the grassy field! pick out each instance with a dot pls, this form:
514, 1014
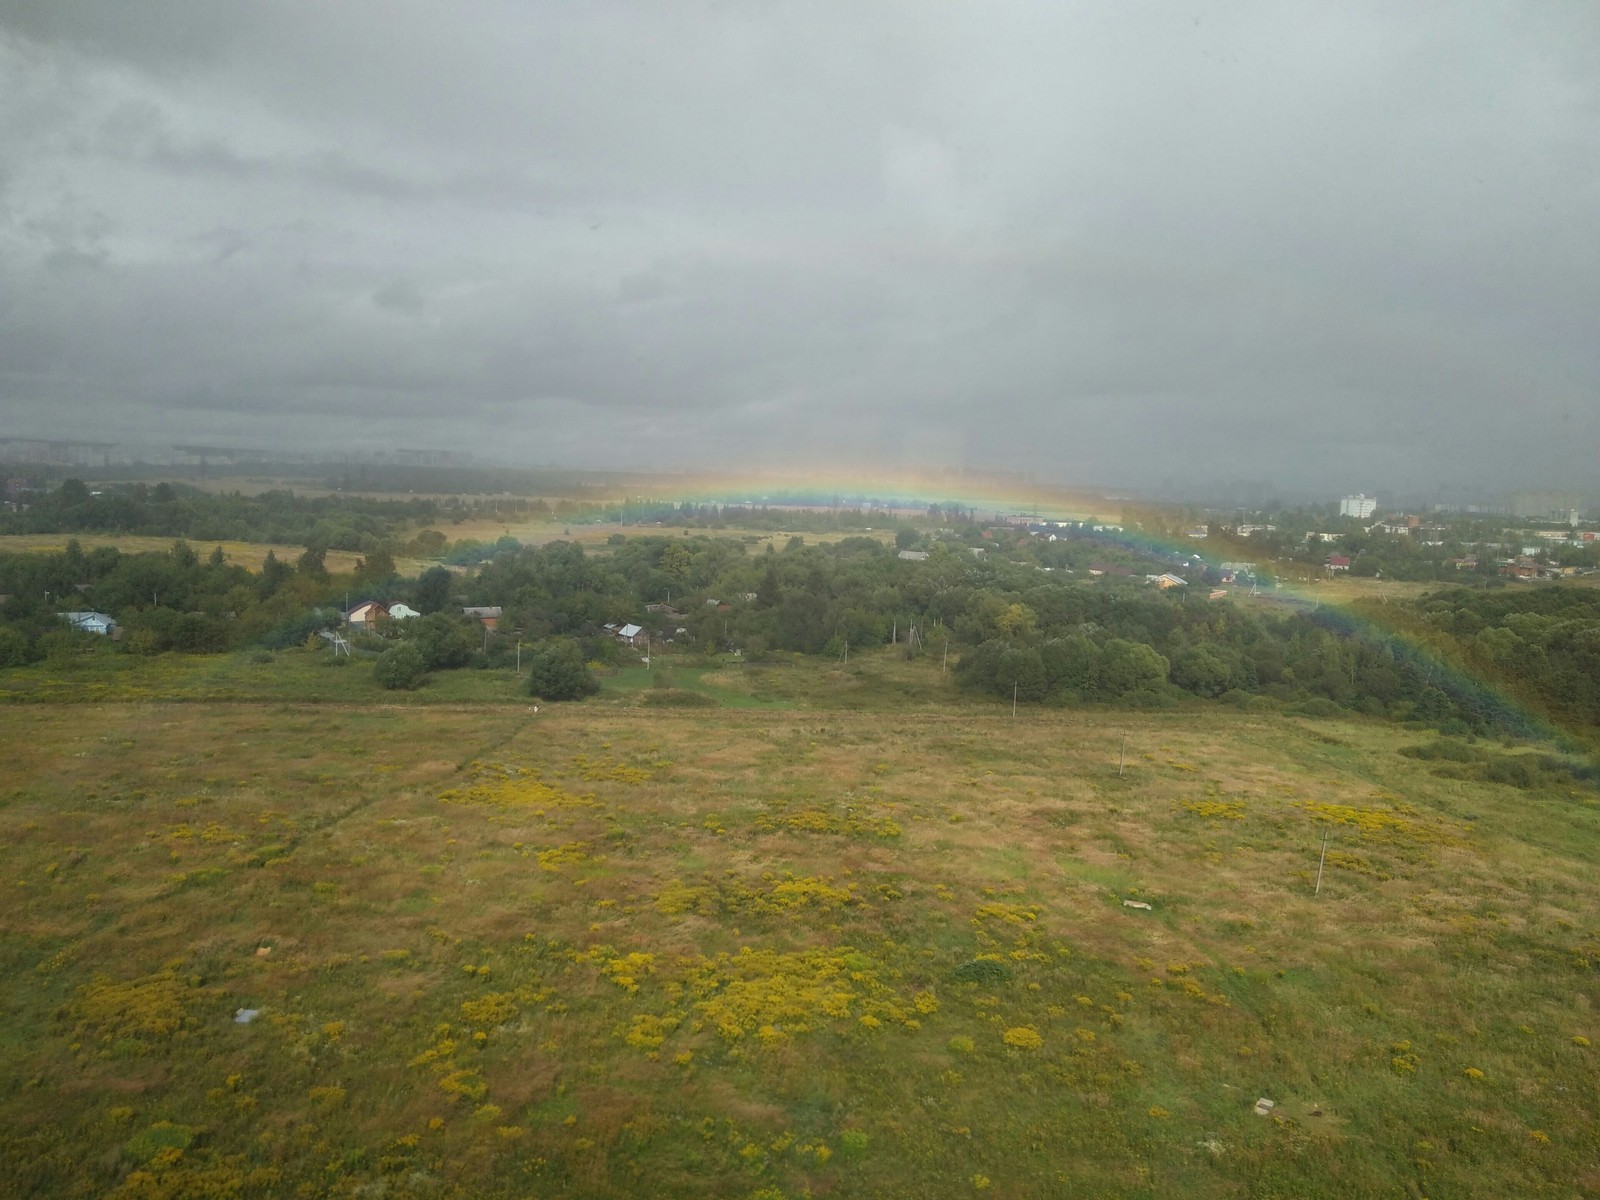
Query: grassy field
541, 531
242, 554
865, 940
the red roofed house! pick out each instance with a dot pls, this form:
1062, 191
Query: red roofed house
366, 614
1338, 562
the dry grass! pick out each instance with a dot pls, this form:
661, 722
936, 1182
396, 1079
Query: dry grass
538, 532
239, 554
619, 951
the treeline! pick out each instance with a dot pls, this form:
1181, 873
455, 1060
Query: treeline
775, 518
1537, 645
168, 600
1476, 660
1462, 660
354, 523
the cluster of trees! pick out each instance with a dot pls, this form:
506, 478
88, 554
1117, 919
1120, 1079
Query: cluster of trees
172, 600
1538, 645
1013, 627
1014, 622
355, 523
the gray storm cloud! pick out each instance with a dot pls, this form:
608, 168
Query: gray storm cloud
1332, 245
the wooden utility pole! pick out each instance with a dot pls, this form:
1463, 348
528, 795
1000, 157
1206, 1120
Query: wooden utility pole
1122, 758
1013, 699
1320, 861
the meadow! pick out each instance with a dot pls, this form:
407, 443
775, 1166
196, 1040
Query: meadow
839, 932
242, 554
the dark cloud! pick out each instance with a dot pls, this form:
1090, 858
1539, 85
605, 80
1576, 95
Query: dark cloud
1336, 246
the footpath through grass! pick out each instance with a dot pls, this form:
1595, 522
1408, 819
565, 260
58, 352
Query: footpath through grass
611, 950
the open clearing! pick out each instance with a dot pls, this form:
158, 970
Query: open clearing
541, 531
241, 554
759, 951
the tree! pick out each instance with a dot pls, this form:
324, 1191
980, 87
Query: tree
675, 561
377, 566
442, 642
1016, 619
273, 574
905, 537
769, 591
1070, 664
557, 671
14, 651
433, 590
1020, 668
1126, 667
314, 562
1201, 670
399, 668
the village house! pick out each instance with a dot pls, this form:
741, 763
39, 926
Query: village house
90, 622
486, 615
366, 615
1338, 562
402, 612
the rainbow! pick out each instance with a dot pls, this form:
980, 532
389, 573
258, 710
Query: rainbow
987, 493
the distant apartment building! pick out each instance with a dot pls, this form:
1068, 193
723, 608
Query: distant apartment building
1359, 507
1566, 507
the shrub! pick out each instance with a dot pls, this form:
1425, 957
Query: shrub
1443, 748
14, 648
443, 642
678, 698
557, 671
400, 667
1317, 706
982, 970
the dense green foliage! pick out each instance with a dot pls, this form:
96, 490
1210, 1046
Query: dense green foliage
557, 671
1015, 622
166, 510
399, 668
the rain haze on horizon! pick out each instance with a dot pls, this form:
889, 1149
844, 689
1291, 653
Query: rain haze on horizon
1333, 246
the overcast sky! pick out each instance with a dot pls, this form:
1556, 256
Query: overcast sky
1342, 245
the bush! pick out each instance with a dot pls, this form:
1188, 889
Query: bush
443, 642
1443, 748
14, 648
677, 698
982, 970
399, 668
557, 671
1515, 772
1317, 706
1126, 667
